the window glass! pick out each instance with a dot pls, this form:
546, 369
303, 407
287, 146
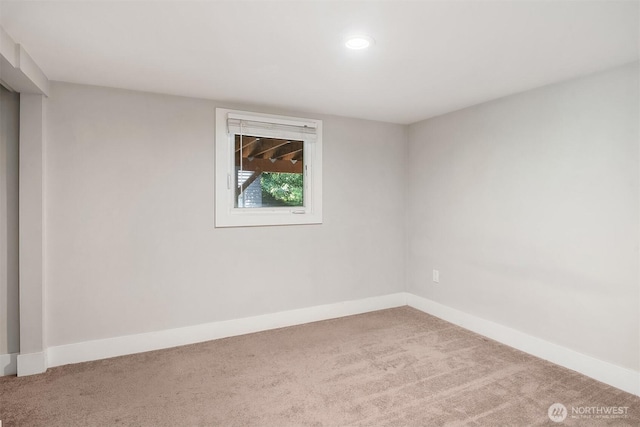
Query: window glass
269, 172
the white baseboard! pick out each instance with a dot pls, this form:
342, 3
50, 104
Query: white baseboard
32, 363
8, 364
130, 344
608, 373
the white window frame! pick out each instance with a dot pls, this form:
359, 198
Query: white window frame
226, 214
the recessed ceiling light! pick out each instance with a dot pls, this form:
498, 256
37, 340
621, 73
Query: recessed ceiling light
359, 42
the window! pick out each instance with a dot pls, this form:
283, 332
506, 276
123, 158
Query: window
268, 169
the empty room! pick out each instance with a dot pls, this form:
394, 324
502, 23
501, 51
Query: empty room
327, 213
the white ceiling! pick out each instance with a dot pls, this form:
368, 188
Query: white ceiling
430, 57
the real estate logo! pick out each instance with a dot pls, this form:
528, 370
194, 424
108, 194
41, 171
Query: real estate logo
557, 412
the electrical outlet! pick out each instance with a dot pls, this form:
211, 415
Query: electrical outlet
436, 276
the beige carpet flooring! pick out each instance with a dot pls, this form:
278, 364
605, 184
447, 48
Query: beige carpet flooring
392, 367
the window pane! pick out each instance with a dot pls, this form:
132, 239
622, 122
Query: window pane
268, 172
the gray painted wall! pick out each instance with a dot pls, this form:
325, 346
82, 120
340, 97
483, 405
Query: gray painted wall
9, 273
528, 207
131, 246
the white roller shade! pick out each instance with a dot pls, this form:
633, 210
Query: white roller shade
302, 131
